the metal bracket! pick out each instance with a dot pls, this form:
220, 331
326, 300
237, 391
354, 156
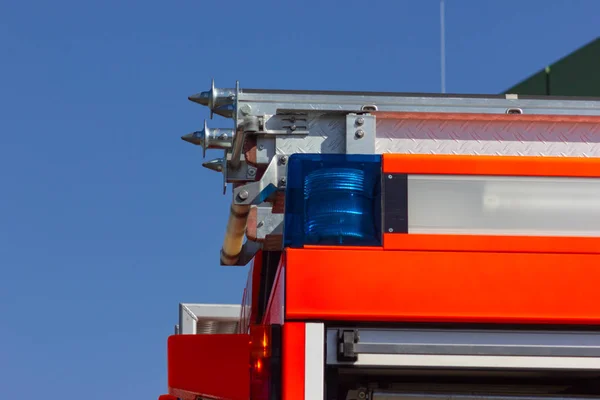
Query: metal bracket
347, 340
244, 173
360, 133
268, 223
265, 149
257, 192
249, 124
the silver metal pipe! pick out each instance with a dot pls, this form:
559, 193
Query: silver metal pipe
234, 234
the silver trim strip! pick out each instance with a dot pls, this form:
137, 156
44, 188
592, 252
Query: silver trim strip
314, 362
541, 363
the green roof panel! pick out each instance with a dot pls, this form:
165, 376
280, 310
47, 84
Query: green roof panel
577, 74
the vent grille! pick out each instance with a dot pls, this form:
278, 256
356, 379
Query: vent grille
215, 327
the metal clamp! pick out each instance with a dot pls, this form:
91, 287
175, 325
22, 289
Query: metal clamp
247, 253
257, 192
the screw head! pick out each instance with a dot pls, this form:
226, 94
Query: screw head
293, 128
390, 176
283, 160
360, 121
282, 181
360, 134
243, 195
251, 172
391, 230
261, 147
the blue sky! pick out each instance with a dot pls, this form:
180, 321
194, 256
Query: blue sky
107, 218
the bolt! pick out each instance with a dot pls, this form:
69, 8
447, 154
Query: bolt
360, 121
245, 109
361, 395
360, 134
282, 181
390, 177
251, 172
391, 230
243, 195
293, 128
261, 147
283, 160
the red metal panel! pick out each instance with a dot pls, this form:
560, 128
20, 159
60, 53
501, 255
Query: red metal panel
513, 244
249, 307
274, 312
438, 286
206, 365
292, 383
256, 271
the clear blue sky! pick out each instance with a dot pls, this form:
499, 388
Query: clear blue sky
108, 220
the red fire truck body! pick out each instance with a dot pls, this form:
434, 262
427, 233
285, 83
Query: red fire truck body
401, 246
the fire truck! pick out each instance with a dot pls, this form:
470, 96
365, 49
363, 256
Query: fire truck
403, 246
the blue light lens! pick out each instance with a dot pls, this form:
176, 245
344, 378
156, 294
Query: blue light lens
333, 199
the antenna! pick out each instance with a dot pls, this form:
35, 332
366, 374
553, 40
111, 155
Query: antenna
443, 46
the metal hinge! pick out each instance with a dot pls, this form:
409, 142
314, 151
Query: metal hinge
347, 340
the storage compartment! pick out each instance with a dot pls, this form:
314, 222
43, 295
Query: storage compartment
513, 363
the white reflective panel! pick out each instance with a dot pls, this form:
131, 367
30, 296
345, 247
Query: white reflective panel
506, 205
314, 361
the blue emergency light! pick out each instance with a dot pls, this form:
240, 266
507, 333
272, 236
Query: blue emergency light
333, 199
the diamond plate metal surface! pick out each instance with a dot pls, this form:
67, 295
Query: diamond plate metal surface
489, 135
476, 134
327, 134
